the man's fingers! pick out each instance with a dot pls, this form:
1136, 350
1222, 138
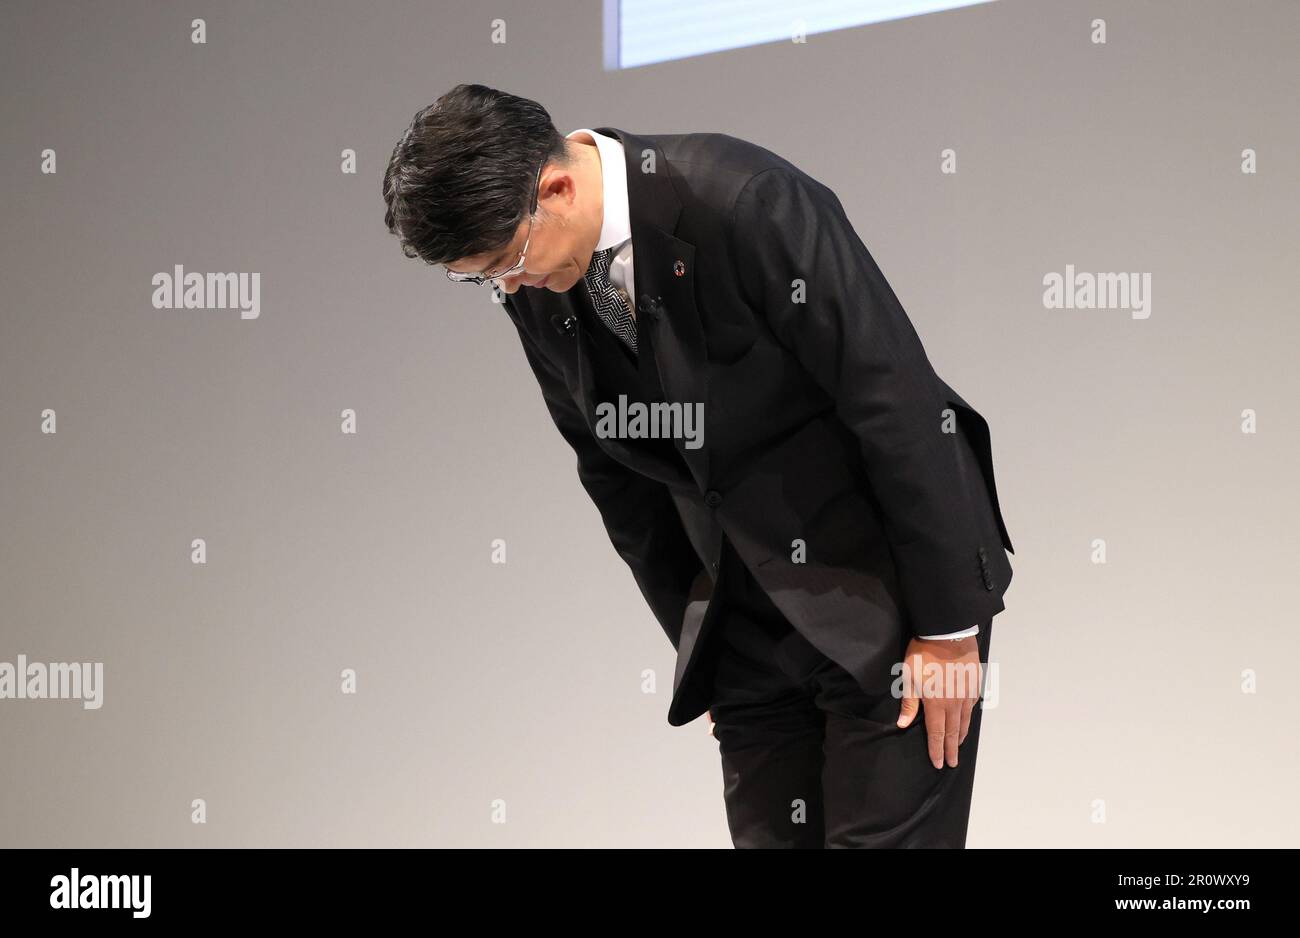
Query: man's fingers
952, 729
967, 708
935, 721
911, 695
949, 705
907, 712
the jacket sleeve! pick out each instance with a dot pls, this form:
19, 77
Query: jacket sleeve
638, 512
848, 330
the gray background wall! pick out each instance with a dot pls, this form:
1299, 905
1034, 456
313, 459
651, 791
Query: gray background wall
522, 681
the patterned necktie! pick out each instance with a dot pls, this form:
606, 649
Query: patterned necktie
610, 304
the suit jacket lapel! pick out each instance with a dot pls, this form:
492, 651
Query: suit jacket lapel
664, 276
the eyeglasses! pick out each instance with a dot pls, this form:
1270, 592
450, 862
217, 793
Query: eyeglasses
517, 265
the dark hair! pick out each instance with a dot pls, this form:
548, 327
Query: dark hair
462, 177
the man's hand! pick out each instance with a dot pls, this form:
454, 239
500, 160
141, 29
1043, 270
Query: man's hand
948, 675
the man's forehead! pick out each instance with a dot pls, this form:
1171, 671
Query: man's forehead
477, 263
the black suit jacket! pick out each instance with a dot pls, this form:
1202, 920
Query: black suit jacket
824, 421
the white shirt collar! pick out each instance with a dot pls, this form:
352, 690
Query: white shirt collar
616, 226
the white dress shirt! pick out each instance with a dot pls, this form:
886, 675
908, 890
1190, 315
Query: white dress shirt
616, 232
616, 227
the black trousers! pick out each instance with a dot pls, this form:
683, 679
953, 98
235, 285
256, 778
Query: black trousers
809, 759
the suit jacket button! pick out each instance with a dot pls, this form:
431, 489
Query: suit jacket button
713, 498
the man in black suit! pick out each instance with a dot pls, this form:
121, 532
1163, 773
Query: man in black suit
832, 511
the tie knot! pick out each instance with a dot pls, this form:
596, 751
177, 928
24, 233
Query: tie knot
600, 262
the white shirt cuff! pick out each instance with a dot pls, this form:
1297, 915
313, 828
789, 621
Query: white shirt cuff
973, 630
